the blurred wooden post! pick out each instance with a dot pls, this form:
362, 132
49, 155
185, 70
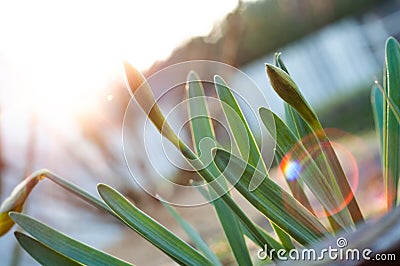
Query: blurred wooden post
232, 29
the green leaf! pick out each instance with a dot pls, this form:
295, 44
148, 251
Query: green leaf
79, 192
377, 102
303, 131
279, 62
269, 240
308, 171
41, 253
63, 244
271, 200
202, 132
245, 142
310, 142
240, 129
252, 228
287, 89
391, 149
296, 124
193, 234
150, 229
272, 243
216, 186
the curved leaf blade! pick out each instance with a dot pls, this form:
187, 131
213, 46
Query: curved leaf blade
150, 229
287, 89
269, 240
328, 196
64, 244
245, 142
193, 234
41, 253
303, 131
391, 148
202, 130
240, 129
271, 200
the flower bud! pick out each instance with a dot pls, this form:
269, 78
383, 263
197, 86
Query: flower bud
140, 89
287, 89
15, 202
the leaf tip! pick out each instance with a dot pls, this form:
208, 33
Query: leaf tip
134, 78
101, 187
192, 76
218, 80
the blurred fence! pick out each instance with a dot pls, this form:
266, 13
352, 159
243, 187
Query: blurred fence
335, 61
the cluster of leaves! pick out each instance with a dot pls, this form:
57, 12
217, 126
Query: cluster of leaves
291, 214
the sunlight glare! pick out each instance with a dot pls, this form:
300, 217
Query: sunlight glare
64, 53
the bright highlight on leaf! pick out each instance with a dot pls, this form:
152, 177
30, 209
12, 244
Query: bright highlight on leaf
391, 129
140, 89
202, 129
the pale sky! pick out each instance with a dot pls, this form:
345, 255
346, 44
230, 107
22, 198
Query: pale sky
59, 53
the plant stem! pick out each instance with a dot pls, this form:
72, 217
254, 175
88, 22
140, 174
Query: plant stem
258, 236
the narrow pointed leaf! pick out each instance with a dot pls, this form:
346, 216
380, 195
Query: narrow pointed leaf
202, 131
245, 142
244, 219
296, 124
303, 131
197, 240
150, 229
270, 241
308, 170
63, 244
271, 200
300, 127
210, 179
240, 129
392, 151
43, 254
290, 93
305, 134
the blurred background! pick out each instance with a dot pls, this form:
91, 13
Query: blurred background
63, 96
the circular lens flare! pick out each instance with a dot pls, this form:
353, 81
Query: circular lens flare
291, 169
294, 165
